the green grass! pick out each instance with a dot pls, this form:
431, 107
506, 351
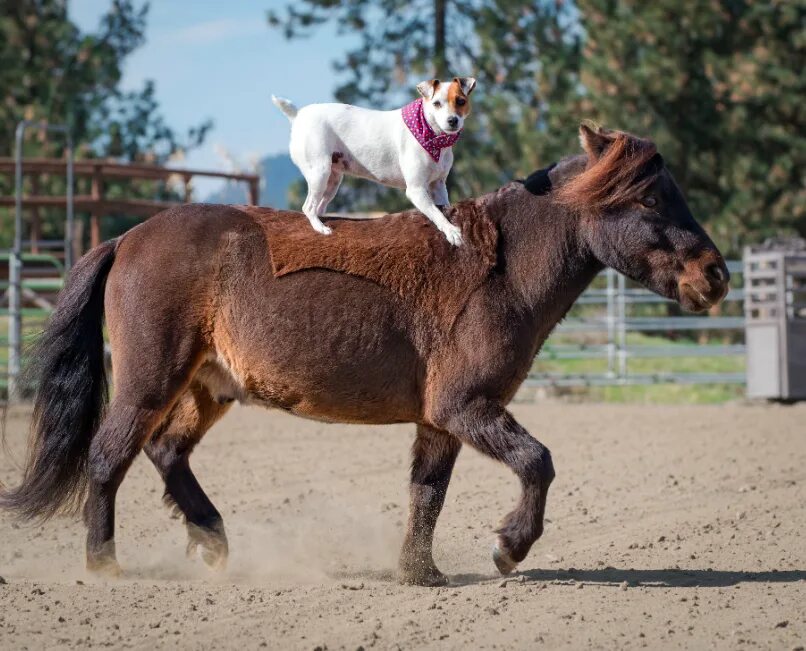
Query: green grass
657, 393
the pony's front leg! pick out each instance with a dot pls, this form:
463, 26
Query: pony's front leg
433, 455
492, 430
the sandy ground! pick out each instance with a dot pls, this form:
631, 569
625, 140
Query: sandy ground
670, 527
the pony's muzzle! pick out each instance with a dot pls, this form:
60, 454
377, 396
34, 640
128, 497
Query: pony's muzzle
705, 281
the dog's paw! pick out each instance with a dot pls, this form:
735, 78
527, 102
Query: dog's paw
319, 227
453, 234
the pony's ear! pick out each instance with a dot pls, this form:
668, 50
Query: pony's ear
428, 88
467, 84
594, 139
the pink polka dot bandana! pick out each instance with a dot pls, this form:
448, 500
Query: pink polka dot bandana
414, 117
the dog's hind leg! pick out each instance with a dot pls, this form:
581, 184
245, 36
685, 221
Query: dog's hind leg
333, 184
433, 456
318, 178
169, 450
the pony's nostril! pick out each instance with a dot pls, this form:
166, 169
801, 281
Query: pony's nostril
715, 272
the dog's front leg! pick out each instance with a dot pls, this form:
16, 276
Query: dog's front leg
422, 200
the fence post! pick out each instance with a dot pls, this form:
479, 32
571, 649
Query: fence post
610, 274
15, 278
622, 327
97, 193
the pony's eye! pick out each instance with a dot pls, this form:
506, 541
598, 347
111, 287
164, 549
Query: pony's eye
649, 201
437, 104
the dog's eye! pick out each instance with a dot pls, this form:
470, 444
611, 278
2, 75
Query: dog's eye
437, 104
460, 102
650, 201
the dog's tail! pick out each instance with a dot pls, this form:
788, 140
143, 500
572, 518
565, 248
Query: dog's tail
286, 106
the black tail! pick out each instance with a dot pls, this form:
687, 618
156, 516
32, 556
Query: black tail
67, 364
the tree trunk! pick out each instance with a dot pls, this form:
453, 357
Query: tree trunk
440, 58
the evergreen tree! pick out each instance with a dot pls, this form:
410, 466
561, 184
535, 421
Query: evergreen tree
51, 71
719, 85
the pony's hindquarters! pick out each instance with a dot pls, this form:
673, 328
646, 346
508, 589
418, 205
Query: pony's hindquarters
71, 393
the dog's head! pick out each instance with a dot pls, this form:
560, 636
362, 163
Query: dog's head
447, 103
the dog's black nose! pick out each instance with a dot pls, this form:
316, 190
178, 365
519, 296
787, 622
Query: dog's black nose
453, 121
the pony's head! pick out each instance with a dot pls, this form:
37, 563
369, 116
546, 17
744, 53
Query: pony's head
635, 219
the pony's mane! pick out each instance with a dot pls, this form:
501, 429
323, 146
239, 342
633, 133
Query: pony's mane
626, 167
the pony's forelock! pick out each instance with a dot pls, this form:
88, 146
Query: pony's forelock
622, 172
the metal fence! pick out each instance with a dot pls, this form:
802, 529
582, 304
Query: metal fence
603, 318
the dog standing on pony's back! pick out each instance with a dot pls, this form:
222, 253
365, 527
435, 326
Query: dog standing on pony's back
408, 148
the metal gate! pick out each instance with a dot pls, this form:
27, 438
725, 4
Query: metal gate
17, 287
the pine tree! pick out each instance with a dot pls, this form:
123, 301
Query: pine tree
51, 71
719, 85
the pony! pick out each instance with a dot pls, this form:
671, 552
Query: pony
205, 305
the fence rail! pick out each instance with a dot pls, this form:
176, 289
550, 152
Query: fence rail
606, 314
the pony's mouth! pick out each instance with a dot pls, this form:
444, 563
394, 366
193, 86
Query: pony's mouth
693, 300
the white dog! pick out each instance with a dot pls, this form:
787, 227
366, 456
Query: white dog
408, 148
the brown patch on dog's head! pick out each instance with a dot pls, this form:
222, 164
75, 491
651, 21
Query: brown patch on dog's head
458, 94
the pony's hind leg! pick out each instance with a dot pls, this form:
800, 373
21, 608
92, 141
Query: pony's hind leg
112, 450
169, 449
433, 456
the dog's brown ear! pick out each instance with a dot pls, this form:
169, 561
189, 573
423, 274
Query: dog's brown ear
467, 84
428, 88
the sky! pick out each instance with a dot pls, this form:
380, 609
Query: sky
220, 60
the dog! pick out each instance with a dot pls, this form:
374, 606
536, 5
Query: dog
408, 148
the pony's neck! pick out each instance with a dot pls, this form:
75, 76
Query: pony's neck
546, 260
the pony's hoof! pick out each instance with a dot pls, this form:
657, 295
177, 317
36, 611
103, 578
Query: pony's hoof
503, 561
210, 545
104, 567
433, 578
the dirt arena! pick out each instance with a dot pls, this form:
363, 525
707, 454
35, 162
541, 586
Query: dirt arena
669, 527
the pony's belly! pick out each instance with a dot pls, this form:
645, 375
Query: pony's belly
323, 345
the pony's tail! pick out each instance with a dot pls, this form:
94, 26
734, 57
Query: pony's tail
286, 106
67, 365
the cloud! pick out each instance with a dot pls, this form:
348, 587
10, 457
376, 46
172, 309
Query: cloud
214, 31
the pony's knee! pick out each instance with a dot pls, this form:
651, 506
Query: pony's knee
538, 466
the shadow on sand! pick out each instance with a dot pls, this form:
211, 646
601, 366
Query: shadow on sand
670, 578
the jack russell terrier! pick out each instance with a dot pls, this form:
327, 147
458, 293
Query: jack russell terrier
408, 148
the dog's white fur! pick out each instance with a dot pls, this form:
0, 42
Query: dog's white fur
330, 140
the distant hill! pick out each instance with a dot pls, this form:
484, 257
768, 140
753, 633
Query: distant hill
277, 173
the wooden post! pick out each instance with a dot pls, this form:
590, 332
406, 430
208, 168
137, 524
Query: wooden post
36, 222
78, 239
188, 198
253, 192
97, 193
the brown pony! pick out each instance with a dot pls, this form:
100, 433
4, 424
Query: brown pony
209, 304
